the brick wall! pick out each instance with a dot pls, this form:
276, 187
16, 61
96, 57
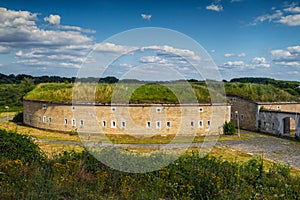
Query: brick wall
284, 106
247, 113
133, 119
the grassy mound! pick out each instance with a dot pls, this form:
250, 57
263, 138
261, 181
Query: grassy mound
154, 93
258, 92
120, 93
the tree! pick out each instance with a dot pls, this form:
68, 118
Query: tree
229, 128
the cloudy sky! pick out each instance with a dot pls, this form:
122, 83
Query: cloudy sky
244, 38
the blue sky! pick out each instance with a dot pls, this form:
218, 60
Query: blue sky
244, 38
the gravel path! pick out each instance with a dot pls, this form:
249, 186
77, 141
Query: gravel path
278, 149
5, 118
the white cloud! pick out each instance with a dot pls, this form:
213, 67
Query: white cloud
287, 57
146, 17
269, 17
280, 53
293, 73
293, 9
4, 50
153, 59
126, 65
242, 55
185, 53
241, 65
228, 55
53, 19
10, 18
33, 62
294, 49
235, 63
19, 53
290, 20
215, 7
260, 62
18, 29
35, 46
76, 28
289, 64
113, 48
289, 16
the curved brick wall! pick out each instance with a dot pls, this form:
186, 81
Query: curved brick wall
136, 119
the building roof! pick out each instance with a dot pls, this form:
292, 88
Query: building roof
166, 93
127, 93
259, 93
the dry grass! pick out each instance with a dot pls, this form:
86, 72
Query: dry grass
164, 139
4, 114
53, 149
38, 133
234, 155
224, 153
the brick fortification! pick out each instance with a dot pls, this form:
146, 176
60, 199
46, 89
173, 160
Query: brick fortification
139, 119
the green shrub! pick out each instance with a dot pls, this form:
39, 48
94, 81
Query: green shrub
73, 132
229, 128
18, 118
15, 146
73, 175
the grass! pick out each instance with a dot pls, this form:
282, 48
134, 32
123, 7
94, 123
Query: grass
52, 150
258, 92
120, 93
161, 139
234, 155
114, 138
177, 92
224, 153
10, 114
39, 133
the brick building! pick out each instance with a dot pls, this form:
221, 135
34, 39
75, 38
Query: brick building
138, 119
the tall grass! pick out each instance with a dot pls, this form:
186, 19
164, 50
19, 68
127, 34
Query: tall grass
258, 92
154, 93
72, 175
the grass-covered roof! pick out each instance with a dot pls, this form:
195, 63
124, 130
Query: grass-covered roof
258, 92
153, 93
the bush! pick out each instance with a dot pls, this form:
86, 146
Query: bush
229, 128
73, 132
18, 118
74, 175
15, 146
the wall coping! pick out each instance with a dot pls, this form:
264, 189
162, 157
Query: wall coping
265, 103
277, 103
278, 111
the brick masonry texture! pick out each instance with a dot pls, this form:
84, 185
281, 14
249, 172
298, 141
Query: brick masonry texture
155, 119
